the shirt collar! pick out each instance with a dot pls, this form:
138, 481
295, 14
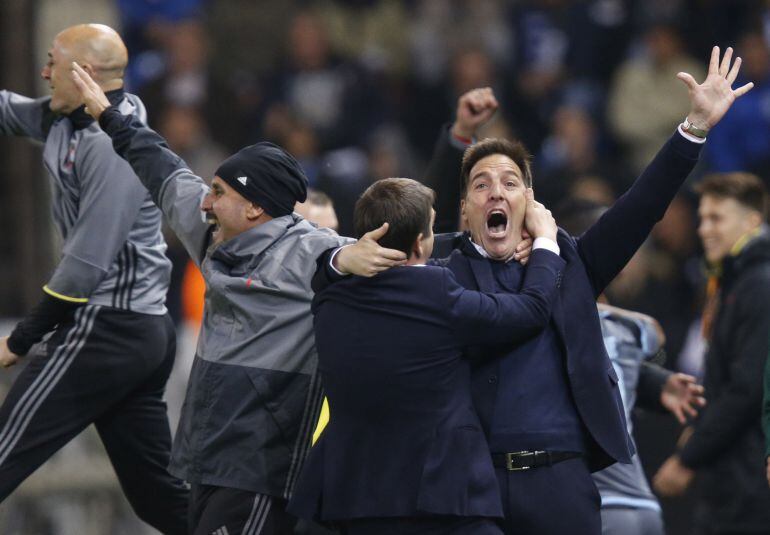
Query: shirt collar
484, 253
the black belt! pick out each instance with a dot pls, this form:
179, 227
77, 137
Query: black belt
524, 460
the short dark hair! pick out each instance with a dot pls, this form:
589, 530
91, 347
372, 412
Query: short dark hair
403, 203
745, 188
515, 150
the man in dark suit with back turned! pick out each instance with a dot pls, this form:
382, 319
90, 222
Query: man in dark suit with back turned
404, 451
557, 393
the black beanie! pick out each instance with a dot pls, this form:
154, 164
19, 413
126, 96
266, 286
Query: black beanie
266, 175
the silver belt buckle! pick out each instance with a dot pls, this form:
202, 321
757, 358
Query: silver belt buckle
509, 460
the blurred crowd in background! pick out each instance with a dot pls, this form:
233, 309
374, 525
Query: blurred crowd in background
358, 90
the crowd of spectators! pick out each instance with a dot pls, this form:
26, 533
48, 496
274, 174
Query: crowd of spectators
358, 90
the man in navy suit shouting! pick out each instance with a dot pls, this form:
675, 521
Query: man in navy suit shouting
404, 451
556, 394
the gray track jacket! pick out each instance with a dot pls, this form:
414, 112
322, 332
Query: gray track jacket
113, 252
254, 396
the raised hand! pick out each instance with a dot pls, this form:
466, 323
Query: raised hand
366, 258
538, 220
682, 396
710, 100
92, 94
474, 108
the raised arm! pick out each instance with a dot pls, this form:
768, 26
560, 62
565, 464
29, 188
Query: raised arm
608, 245
474, 109
175, 189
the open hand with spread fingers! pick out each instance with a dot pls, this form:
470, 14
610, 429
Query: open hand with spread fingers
710, 100
682, 396
93, 95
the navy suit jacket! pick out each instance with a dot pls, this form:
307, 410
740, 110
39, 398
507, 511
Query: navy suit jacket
593, 260
403, 439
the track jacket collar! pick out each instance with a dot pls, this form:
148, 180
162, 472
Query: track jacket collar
80, 119
254, 241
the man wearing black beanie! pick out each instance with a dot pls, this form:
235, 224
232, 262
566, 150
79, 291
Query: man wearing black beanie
266, 175
254, 395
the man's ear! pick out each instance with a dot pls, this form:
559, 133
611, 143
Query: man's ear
254, 211
755, 219
463, 217
89, 69
417, 249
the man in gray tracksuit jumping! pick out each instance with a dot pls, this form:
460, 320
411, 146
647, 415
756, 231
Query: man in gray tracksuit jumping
112, 343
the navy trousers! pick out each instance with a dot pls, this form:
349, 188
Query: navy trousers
551, 500
107, 367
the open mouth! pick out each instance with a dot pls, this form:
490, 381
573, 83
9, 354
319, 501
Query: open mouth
497, 223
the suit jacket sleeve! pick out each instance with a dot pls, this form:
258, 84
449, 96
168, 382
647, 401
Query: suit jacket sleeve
739, 405
443, 176
324, 274
609, 244
488, 319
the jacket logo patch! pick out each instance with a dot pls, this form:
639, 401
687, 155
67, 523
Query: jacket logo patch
69, 161
242, 180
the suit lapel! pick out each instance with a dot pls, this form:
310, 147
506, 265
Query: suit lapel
480, 266
482, 272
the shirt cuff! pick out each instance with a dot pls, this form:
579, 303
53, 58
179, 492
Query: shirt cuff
458, 142
690, 137
546, 243
331, 260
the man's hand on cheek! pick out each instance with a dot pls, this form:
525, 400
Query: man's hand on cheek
538, 219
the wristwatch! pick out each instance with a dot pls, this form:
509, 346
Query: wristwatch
693, 130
